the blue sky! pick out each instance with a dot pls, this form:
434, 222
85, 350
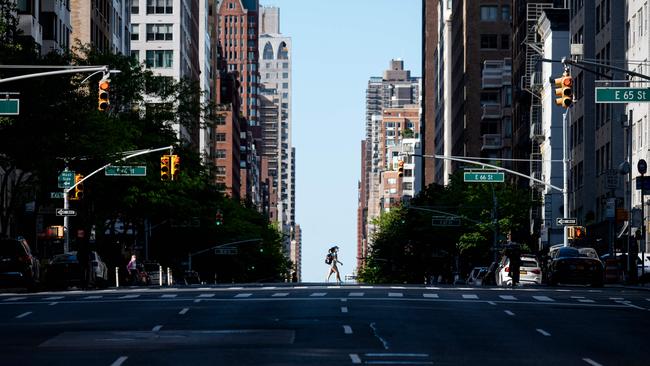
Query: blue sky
337, 46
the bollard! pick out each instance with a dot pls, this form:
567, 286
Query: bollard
160, 274
117, 276
169, 283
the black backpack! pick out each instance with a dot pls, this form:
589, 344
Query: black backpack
328, 258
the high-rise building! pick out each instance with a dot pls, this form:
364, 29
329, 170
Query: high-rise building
105, 24
47, 23
276, 118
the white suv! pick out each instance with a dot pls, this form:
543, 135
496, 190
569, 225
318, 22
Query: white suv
529, 272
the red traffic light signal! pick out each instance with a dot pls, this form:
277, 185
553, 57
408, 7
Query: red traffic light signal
564, 91
102, 95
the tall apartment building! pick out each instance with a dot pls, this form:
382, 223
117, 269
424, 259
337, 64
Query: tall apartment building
237, 32
276, 118
165, 36
47, 23
104, 24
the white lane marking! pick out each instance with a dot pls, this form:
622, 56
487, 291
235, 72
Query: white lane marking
586, 300
543, 332
355, 294
647, 299
156, 328
280, 294
235, 288
243, 295
591, 362
355, 358
15, 298
627, 303
398, 287
23, 315
347, 329
366, 287
319, 294
54, 298
269, 288
430, 296
374, 331
300, 287
119, 361
53, 303
509, 312
168, 296
206, 295
344, 300
344, 309
397, 354
470, 296
203, 288
92, 297
184, 311
577, 297
197, 301
507, 297
395, 294
618, 298
433, 288
562, 290
399, 363
542, 298
492, 303
129, 296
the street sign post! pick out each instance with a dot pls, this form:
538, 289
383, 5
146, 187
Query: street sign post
66, 179
566, 221
65, 212
484, 177
622, 95
9, 107
126, 170
445, 221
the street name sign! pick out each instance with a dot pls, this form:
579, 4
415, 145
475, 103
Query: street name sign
445, 221
9, 107
65, 212
490, 177
66, 179
226, 251
622, 95
126, 170
566, 221
56, 195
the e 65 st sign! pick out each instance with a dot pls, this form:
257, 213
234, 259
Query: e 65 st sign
622, 95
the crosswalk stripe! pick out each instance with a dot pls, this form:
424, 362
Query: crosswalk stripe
355, 294
542, 298
244, 295
235, 288
507, 297
398, 287
470, 296
54, 298
23, 315
269, 288
206, 295
431, 296
129, 296
366, 287
15, 298
395, 294
92, 297
168, 296
318, 294
280, 294
586, 300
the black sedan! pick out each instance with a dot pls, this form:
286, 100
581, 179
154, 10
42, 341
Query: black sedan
569, 266
65, 270
18, 267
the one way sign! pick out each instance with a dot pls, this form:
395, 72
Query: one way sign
65, 212
566, 221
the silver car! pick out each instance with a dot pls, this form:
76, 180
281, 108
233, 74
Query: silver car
529, 272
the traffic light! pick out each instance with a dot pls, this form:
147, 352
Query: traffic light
218, 218
400, 168
571, 232
79, 188
564, 90
165, 167
175, 166
580, 232
102, 95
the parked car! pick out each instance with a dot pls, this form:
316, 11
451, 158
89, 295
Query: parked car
18, 266
530, 271
569, 266
490, 275
153, 273
476, 276
64, 270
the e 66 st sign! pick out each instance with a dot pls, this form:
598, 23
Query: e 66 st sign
622, 95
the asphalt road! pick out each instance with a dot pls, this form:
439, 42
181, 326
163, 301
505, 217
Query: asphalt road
327, 325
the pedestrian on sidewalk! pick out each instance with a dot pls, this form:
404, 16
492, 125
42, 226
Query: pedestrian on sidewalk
332, 257
132, 269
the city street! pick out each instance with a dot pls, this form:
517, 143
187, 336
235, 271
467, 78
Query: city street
317, 324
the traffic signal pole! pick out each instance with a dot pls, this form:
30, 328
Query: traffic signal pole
66, 191
565, 169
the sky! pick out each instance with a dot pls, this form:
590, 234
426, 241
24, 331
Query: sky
337, 46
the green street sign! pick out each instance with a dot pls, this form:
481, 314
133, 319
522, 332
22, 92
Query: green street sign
57, 195
66, 179
126, 171
9, 107
484, 177
622, 95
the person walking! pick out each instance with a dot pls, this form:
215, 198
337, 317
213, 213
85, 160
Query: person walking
334, 261
132, 268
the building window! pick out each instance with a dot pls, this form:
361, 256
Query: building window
135, 32
285, 75
505, 13
489, 13
268, 51
221, 170
135, 54
220, 154
135, 6
220, 137
407, 186
160, 6
160, 58
285, 85
159, 32
488, 41
283, 52
505, 41
285, 65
